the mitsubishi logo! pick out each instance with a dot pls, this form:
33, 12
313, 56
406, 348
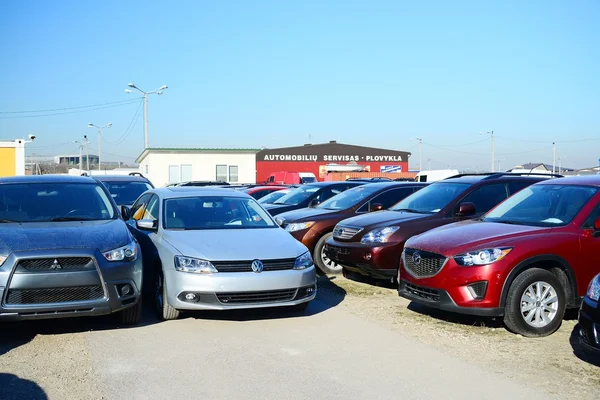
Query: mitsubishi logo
257, 266
55, 265
416, 258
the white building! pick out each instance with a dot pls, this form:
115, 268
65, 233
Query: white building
163, 166
12, 157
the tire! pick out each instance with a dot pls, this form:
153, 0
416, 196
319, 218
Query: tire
518, 309
323, 263
164, 311
132, 315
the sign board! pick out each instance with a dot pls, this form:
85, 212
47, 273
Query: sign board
390, 168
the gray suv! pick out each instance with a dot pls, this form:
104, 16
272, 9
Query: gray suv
65, 251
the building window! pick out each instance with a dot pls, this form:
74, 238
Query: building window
222, 173
186, 173
233, 173
174, 174
146, 169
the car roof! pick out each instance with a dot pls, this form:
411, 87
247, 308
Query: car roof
495, 177
388, 184
586, 180
120, 178
191, 191
50, 178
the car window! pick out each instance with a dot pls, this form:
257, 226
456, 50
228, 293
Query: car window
126, 192
298, 195
151, 211
137, 211
431, 199
215, 212
486, 197
391, 197
589, 222
272, 197
328, 193
349, 198
514, 187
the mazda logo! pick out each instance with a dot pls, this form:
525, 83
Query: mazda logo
416, 258
257, 266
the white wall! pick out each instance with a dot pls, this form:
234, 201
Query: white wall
155, 166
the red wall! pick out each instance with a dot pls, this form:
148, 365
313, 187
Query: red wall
266, 168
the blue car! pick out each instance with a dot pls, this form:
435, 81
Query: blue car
65, 251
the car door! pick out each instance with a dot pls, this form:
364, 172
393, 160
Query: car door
387, 198
589, 258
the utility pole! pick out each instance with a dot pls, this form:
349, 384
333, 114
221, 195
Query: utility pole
553, 157
420, 153
491, 133
429, 163
90, 125
158, 91
87, 153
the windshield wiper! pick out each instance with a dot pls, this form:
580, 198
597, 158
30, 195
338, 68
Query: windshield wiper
61, 219
7, 221
411, 210
502, 221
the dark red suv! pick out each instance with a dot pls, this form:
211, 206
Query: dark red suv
371, 244
527, 260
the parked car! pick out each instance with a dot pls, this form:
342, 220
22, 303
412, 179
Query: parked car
65, 251
371, 244
309, 195
313, 226
290, 178
218, 249
274, 196
527, 260
259, 192
589, 313
201, 183
125, 189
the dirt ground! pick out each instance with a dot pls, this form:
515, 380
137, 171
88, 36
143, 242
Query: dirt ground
555, 364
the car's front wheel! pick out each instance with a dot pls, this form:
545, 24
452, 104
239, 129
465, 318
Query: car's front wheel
535, 305
324, 263
164, 310
131, 315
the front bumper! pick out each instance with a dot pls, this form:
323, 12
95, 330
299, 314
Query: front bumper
379, 261
237, 290
27, 295
589, 325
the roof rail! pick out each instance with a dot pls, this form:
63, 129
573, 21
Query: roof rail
499, 174
378, 178
136, 174
477, 174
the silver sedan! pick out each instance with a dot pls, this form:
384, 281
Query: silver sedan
217, 249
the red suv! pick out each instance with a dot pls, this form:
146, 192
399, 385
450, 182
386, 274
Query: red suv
371, 244
527, 260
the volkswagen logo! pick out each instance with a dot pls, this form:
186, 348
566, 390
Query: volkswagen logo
257, 266
416, 258
55, 265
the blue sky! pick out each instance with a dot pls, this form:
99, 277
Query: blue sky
284, 73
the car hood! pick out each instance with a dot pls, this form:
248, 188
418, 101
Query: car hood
471, 235
276, 209
101, 235
235, 244
382, 218
306, 214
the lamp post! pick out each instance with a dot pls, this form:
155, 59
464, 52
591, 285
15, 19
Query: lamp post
158, 91
429, 163
560, 158
491, 133
90, 125
80, 144
87, 152
420, 152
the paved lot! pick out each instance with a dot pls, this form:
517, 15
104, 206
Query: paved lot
332, 351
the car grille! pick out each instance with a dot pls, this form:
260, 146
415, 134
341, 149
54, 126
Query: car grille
424, 293
246, 266
345, 232
271, 296
54, 295
422, 264
55, 264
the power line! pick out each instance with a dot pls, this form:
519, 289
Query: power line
124, 103
134, 120
67, 108
116, 155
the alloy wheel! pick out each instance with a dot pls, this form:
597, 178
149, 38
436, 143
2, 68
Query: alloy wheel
539, 304
329, 263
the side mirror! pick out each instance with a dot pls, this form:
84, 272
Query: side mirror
376, 207
466, 209
146, 224
125, 213
313, 203
596, 227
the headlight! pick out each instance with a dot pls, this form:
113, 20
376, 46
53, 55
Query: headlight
482, 257
298, 226
593, 291
380, 235
125, 253
194, 265
304, 261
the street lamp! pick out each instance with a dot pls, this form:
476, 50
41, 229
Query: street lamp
560, 158
158, 91
90, 125
420, 152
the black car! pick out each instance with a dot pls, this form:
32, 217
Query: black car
589, 317
125, 189
309, 195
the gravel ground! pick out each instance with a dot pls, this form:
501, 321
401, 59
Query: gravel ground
555, 364
60, 359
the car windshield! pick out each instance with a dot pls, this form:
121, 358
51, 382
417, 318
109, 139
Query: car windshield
126, 192
348, 198
308, 179
542, 205
215, 212
46, 202
297, 195
272, 197
432, 198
